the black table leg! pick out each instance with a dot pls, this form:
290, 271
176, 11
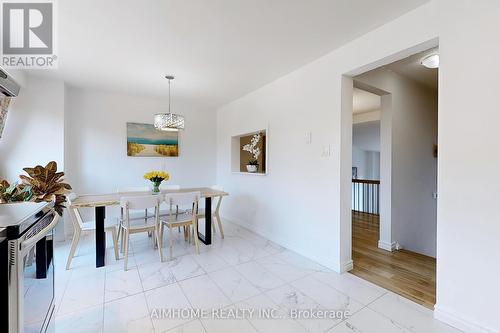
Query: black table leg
100, 236
207, 239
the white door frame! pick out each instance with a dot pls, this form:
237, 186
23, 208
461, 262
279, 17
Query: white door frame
347, 84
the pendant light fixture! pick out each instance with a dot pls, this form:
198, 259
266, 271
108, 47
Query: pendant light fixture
169, 121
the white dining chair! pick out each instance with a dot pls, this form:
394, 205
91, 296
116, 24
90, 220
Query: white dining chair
83, 227
186, 219
216, 203
164, 209
134, 215
130, 226
129, 192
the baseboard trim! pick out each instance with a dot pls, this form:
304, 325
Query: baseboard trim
346, 266
457, 321
387, 246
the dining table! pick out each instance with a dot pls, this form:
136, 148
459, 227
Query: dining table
100, 201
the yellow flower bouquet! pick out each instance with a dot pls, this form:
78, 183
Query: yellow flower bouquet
156, 177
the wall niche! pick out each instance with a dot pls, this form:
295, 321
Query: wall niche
249, 153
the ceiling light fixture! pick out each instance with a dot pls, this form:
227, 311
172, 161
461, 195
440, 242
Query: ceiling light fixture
169, 121
430, 61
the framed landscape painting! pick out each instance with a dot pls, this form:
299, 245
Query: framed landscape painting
143, 140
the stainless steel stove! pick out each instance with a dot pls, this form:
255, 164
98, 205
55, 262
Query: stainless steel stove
27, 266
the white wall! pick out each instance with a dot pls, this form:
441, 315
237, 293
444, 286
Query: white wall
468, 233
414, 169
318, 188
34, 132
359, 160
366, 136
366, 149
96, 149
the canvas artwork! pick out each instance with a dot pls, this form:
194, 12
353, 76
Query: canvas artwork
143, 140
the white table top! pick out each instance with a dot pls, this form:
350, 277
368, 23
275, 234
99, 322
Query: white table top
113, 199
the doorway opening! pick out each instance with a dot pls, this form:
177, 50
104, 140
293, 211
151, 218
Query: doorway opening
394, 177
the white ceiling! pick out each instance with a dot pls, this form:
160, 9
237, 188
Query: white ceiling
412, 68
219, 50
364, 101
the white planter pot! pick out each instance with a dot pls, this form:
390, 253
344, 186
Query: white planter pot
252, 168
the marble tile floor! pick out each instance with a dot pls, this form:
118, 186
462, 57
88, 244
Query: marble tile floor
242, 272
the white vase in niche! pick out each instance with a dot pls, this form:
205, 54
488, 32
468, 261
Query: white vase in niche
252, 168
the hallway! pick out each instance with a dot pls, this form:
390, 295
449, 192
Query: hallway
406, 273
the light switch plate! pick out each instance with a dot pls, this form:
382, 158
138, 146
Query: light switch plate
327, 151
308, 138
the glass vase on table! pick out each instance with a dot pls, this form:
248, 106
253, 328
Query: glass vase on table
156, 187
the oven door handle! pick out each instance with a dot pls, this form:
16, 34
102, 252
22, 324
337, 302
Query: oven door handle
27, 244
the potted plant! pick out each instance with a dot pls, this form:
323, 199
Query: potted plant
156, 177
253, 164
14, 192
41, 184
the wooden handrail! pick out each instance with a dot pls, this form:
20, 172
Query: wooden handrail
366, 181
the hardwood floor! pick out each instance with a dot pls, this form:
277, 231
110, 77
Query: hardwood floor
406, 273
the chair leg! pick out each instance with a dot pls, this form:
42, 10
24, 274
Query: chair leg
155, 238
196, 243
125, 254
219, 223
150, 234
122, 244
162, 230
115, 242
74, 244
119, 230
159, 241
170, 242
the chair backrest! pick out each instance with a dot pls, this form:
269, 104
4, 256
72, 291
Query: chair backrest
142, 202
71, 197
182, 199
73, 211
133, 189
217, 187
169, 187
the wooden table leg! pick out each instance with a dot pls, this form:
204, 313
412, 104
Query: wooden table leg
207, 238
100, 236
